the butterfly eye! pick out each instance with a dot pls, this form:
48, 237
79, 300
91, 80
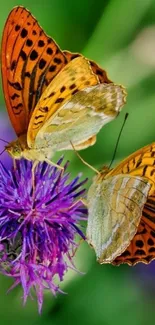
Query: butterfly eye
14, 149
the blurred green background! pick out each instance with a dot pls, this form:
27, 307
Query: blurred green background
120, 36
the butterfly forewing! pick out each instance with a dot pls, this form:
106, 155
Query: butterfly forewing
114, 214
140, 163
102, 75
30, 60
40, 84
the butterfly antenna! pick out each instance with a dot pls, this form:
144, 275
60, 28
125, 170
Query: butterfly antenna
116, 146
84, 162
2, 151
4, 140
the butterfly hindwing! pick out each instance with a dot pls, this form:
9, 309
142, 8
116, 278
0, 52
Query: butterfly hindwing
114, 207
81, 117
142, 246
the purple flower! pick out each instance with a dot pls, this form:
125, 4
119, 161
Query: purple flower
38, 225
7, 134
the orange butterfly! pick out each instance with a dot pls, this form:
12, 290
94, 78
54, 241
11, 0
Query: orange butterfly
53, 97
121, 210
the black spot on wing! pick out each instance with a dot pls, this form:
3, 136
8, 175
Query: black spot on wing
27, 74
126, 253
152, 250
17, 27
23, 33
13, 65
42, 64
62, 89
14, 96
59, 100
57, 60
139, 243
49, 51
150, 242
140, 252
138, 163
74, 91
144, 170
23, 55
44, 109
34, 32
52, 68
41, 43
15, 85
18, 106
29, 42
38, 116
33, 55
72, 86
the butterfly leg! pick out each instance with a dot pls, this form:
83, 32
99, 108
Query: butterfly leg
14, 163
76, 248
35, 163
53, 164
83, 161
81, 200
84, 201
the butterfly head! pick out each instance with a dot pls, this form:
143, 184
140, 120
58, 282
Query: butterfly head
104, 171
14, 149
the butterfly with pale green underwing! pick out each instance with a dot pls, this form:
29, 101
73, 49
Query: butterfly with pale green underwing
53, 97
121, 210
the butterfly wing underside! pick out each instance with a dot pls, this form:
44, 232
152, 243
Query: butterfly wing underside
74, 107
142, 246
115, 208
76, 75
81, 118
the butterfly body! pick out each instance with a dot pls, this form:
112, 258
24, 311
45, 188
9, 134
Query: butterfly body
19, 149
53, 97
116, 203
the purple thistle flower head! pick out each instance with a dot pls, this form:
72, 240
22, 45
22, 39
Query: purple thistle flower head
7, 134
38, 225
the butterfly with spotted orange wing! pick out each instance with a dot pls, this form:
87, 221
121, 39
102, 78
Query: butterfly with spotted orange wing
53, 97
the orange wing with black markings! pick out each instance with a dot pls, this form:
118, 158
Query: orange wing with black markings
98, 71
140, 163
30, 60
36, 88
